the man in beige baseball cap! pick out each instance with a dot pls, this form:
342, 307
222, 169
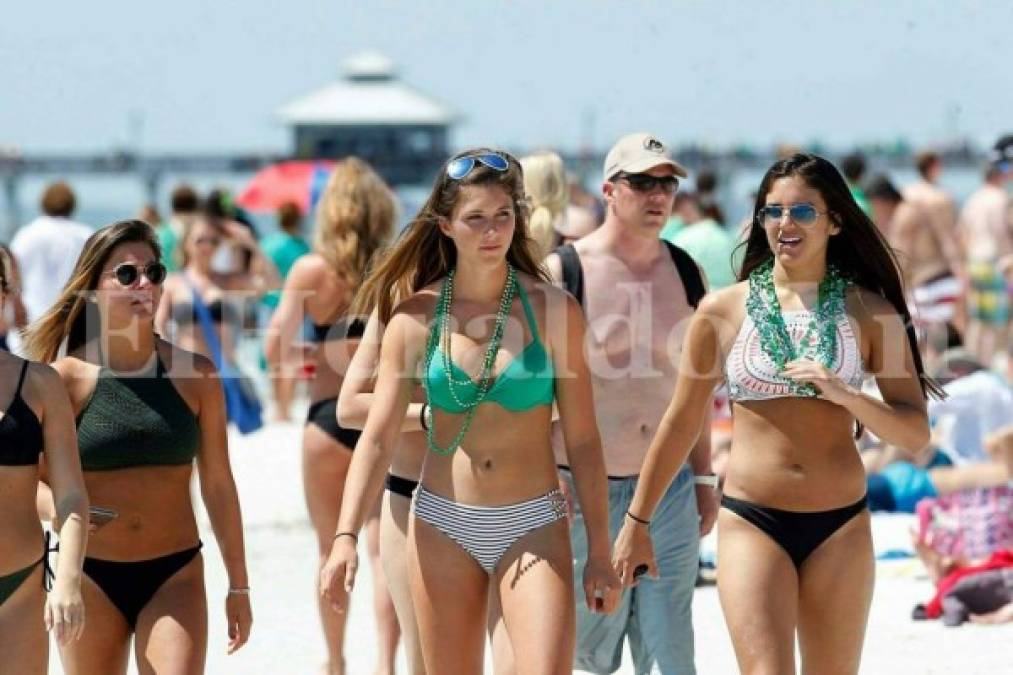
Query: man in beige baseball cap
638, 152
635, 295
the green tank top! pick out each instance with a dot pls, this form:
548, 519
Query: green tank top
136, 421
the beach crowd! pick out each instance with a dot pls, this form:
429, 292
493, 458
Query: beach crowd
530, 403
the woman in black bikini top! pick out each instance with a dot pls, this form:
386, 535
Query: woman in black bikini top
36, 422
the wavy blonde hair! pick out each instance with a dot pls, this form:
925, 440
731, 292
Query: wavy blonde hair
545, 185
68, 319
422, 254
355, 218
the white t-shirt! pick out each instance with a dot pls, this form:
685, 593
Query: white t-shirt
47, 250
977, 405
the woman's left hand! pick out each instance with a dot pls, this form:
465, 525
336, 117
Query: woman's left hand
64, 613
829, 386
239, 619
601, 585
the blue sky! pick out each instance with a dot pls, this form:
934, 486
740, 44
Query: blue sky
197, 75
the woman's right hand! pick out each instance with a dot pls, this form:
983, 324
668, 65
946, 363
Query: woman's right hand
64, 612
337, 576
633, 550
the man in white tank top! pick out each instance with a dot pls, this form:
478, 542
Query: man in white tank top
637, 312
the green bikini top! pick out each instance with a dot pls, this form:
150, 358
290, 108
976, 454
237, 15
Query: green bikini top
527, 382
136, 421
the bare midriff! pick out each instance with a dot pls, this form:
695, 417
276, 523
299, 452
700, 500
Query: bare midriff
505, 458
155, 509
794, 454
20, 530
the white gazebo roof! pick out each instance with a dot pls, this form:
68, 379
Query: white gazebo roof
369, 93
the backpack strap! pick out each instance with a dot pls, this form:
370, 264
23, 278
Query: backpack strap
689, 272
573, 274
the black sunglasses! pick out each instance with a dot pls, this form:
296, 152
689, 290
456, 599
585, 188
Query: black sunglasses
128, 273
645, 182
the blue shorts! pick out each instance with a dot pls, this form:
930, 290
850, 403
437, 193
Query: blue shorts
656, 615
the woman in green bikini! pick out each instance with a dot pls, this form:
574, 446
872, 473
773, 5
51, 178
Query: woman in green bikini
488, 512
36, 426
148, 413
819, 306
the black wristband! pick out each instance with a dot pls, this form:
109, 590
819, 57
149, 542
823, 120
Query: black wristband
422, 417
637, 520
355, 537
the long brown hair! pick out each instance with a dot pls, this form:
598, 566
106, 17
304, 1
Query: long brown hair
68, 318
6, 270
355, 219
423, 254
859, 251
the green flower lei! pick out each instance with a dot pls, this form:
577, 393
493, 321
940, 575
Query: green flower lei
819, 343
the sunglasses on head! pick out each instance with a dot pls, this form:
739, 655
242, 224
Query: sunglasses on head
128, 273
800, 214
645, 182
462, 166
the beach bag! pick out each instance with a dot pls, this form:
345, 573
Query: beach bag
242, 405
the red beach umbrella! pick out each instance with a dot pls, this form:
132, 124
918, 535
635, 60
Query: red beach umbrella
298, 181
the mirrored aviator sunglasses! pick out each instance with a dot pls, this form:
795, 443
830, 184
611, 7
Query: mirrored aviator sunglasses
800, 214
128, 273
462, 166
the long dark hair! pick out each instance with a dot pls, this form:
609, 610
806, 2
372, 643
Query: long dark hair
422, 254
859, 250
68, 318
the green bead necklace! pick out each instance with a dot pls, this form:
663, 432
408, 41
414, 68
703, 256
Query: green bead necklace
819, 343
439, 340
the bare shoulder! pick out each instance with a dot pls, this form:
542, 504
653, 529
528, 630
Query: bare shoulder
70, 368
43, 382
77, 376
865, 306
183, 364
308, 267
725, 303
547, 298
414, 312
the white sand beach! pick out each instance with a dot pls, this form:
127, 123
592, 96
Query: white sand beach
286, 637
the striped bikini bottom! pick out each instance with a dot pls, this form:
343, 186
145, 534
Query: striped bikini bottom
487, 532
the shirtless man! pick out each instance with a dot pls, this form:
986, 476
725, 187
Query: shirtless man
929, 256
940, 218
636, 305
986, 229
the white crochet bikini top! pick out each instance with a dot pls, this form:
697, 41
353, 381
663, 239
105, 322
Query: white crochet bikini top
752, 375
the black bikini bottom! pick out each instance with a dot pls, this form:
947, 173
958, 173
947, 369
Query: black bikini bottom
401, 486
131, 585
324, 415
799, 533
